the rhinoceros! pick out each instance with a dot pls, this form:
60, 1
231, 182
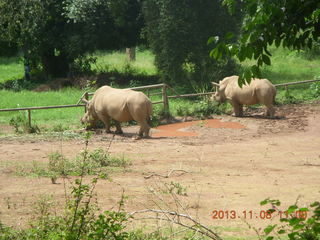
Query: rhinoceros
121, 105
258, 91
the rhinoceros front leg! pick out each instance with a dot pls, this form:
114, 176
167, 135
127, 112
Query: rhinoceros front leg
237, 109
118, 127
106, 120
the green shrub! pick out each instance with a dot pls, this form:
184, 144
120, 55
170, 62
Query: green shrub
298, 223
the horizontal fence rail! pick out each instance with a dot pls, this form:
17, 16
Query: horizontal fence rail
191, 95
296, 83
45, 107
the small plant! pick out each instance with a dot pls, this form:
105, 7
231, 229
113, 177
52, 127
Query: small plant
59, 128
299, 223
177, 188
205, 108
315, 89
21, 125
57, 166
289, 98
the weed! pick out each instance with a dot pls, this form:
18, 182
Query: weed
59, 128
177, 188
315, 89
289, 98
21, 125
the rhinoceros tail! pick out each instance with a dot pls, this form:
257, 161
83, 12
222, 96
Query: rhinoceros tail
149, 111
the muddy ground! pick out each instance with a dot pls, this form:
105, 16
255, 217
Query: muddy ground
223, 164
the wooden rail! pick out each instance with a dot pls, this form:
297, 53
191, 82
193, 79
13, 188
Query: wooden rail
295, 83
191, 95
28, 109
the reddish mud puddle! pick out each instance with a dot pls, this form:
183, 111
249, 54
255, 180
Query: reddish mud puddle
178, 129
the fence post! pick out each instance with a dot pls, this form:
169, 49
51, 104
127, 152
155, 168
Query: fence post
29, 117
165, 101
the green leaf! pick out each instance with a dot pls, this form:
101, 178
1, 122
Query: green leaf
294, 221
303, 209
298, 227
266, 59
229, 35
269, 238
282, 231
264, 202
292, 208
277, 42
247, 76
256, 73
214, 39
269, 229
315, 204
214, 53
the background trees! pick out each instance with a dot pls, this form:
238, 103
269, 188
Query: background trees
53, 35
293, 24
177, 32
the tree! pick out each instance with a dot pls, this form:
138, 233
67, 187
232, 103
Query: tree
55, 34
177, 32
293, 24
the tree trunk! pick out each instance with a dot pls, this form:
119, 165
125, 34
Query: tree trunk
131, 54
55, 66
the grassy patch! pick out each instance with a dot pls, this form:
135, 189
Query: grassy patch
11, 68
97, 162
49, 119
117, 61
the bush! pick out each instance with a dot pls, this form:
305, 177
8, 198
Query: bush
299, 223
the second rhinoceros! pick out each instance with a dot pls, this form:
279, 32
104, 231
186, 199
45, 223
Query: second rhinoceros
258, 91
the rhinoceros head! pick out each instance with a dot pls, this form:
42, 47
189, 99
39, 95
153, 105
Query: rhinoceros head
219, 94
89, 118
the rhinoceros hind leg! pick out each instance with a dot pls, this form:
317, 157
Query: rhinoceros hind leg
144, 129
118, 128
270, 111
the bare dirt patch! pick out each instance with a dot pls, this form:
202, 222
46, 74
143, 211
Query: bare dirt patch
224, 168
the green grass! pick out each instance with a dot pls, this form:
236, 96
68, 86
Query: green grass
117, 61
289, 66
48, 118
11, 68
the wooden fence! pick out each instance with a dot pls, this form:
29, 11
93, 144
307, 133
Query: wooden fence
163, 93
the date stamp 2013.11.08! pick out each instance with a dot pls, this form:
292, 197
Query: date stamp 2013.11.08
250, 214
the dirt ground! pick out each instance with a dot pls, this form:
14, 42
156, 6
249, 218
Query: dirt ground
225, 163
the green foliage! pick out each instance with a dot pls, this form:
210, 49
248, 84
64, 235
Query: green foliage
74, 29
200, 109
298, 223
315, 89
271, 22
178, 31
21, 125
